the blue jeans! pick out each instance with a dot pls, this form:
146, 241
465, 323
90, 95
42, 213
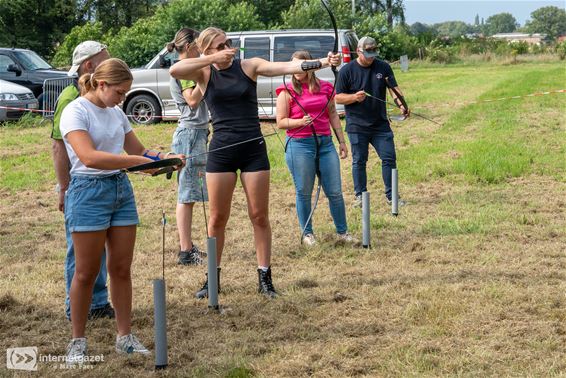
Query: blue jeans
385, 148
300, 158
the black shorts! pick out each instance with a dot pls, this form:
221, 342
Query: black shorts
247, 157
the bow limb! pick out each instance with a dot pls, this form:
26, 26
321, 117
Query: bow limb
160, 166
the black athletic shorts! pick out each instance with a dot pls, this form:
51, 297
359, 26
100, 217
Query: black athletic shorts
249, 156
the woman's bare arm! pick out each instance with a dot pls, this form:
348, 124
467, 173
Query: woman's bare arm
283, 120
191, 68
193, 96
92, 158
255, 67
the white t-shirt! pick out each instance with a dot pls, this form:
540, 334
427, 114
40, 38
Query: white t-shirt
107, 128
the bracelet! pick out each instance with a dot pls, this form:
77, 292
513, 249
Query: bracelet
169, 153
152, 157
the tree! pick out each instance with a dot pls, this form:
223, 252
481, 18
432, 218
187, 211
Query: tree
369, 7
453, 29
80, 33
37, 25
500, 23
113, 14
309, 14
269, 11
424, 33
394, 9
548, 20
147, 36
477, 20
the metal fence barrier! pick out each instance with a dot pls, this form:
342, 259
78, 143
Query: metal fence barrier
52, 88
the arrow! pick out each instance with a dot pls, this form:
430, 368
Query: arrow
390, 104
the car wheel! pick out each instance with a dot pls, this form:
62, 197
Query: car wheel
143, 110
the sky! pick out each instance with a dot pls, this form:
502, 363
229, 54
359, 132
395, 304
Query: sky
433, 11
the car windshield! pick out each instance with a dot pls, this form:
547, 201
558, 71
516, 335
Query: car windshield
31, 61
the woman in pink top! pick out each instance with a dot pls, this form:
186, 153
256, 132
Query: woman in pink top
313, 116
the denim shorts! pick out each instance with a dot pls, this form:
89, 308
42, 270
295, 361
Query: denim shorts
191, 179
95, 203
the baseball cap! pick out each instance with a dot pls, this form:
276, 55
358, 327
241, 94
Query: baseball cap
368, 47
84, 51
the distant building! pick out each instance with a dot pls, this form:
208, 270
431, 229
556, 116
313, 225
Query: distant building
533, 39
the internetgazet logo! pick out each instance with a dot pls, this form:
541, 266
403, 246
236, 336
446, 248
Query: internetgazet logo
21, 358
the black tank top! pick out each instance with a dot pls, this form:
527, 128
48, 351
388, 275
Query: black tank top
231, 97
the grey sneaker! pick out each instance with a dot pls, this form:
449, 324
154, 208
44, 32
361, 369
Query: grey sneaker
309, 240
194, 256
130, 344
346, 238
357, 202
76, 351
400, 202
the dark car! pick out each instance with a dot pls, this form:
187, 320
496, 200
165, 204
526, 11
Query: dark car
25, 67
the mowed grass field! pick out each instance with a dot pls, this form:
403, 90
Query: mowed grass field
468, 280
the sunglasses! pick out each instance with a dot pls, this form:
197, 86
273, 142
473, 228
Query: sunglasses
224, 45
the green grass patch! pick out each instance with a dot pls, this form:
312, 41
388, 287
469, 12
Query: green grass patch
26, 171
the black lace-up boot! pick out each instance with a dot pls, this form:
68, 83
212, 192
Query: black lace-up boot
203, 292
265, 285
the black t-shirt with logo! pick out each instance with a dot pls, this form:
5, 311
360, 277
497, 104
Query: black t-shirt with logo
370, 115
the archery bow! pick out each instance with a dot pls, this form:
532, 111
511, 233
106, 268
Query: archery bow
162, 166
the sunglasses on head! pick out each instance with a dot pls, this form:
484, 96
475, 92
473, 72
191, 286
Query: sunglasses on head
224, 45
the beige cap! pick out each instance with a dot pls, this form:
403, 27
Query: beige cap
84, 51
368, 47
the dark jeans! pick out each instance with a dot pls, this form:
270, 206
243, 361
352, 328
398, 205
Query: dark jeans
385, 148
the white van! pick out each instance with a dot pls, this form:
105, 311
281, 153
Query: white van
149, 99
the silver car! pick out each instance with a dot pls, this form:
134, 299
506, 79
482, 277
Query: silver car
149, 99
15, 101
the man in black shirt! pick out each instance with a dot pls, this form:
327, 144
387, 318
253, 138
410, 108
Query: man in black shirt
366, 117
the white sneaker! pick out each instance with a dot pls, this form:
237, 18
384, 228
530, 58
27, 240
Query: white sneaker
346, 238
309, 240
357, 202
76, 351
130, 344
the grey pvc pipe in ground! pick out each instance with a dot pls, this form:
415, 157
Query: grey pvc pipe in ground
160, 325
366, 240
212, 273
394, 192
